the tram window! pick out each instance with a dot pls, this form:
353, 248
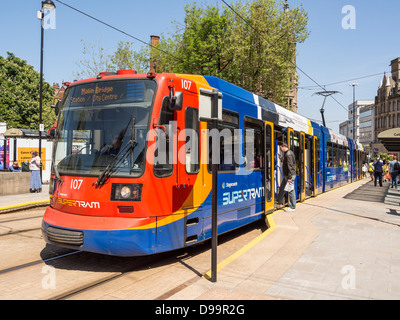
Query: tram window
291, 140
229, 146
254, 144
192, 143
317, 155
279, 136
269, 159
163, 159
335, 155
329, 161
296, 149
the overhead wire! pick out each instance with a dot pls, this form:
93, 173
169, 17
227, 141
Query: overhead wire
343, 81
119, 30
177, 58
291, 62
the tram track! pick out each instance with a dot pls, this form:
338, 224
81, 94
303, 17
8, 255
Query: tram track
148, 263
12, 232
29, 264
85, 275
21, 219
85, 287
157, 266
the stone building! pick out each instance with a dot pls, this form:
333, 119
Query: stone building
387, 101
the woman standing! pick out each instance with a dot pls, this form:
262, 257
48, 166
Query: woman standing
34, 166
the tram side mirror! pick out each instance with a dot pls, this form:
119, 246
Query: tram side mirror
56, 107
51, 133
176, 101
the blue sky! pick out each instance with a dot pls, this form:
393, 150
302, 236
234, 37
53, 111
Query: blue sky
331, 53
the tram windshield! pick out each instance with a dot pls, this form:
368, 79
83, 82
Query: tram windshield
97, 121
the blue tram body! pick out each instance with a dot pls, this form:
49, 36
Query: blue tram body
324, 160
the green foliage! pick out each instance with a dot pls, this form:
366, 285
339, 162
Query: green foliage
253, 46
97, 60
19, 95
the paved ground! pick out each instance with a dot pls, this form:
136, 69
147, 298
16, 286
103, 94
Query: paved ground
332, 247
340, 245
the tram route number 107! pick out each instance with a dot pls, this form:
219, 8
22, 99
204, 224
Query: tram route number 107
76, 184
186, 84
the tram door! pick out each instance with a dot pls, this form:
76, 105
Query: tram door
269, 176
316, 165
302, 165
290, 139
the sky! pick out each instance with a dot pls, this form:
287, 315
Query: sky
345, 46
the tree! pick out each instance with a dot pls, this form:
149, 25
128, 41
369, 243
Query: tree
252, 45
97, 60
19, 95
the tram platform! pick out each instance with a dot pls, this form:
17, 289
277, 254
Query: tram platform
342, 245
9, 203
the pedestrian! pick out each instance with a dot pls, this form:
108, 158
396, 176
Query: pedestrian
378, 171
364, 170
34, 166
371, 171
385, 174
289, 176
394, 171
14, 167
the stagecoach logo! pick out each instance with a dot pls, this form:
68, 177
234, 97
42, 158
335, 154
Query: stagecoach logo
229, 185
79, 203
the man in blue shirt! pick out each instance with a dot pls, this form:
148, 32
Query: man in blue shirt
378, 170
14, 167
394, 172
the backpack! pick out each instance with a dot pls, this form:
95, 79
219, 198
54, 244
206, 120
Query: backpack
378, 166
396, 166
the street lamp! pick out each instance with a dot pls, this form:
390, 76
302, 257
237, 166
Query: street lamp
354, 85
47, 6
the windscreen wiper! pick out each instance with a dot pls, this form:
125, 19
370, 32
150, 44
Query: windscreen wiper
119, 158
57, 174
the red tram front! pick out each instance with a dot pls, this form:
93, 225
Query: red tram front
118, 186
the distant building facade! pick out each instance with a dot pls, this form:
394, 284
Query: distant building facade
363, 112
387, 101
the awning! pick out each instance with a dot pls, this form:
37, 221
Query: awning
390, 139
23, 133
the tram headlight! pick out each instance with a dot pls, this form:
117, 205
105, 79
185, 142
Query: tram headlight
126, 192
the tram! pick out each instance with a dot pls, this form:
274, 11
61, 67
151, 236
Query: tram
131, 170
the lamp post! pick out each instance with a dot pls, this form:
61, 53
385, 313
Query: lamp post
354, 85
47, 5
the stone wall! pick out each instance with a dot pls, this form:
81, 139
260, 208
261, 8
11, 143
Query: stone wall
14, 182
